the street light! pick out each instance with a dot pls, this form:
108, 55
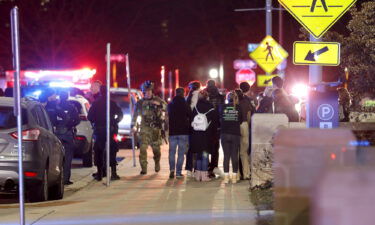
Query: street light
214, 73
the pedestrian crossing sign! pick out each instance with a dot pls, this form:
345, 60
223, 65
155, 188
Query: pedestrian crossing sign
269, 54
317, 16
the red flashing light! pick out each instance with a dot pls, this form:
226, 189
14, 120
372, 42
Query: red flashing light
333, 156
30, 174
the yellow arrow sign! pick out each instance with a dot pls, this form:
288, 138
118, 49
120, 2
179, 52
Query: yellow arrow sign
321, 53
269, 54
317, 16
264, 80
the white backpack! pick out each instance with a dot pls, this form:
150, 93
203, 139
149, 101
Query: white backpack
200, 122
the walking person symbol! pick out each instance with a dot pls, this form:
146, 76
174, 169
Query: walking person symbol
269, 49
313, 5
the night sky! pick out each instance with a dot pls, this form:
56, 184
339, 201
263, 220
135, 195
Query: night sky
191, 35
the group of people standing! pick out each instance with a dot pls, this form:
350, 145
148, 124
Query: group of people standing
197, 124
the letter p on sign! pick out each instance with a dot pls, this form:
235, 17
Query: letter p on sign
325, 112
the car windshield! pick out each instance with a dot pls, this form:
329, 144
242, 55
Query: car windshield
7, 118
122, 100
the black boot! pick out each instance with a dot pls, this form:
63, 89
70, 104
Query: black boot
99, 174
114, 175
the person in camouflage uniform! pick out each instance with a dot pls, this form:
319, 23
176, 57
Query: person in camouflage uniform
152, 111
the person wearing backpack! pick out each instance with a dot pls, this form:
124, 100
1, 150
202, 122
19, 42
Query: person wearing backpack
230, 121
191, 99
204, 118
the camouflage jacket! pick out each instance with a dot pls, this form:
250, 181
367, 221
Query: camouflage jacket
150, 113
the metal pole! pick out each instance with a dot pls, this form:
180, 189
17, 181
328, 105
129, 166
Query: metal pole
17, 106
315, 77
108, 110
269, 17
281, 21
162, 73
315, 71
131, 103
170, 85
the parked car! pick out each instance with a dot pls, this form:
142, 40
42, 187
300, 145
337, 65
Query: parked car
83, 138
42, 150
121, 97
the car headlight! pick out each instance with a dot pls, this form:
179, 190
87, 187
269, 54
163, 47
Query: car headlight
126, 120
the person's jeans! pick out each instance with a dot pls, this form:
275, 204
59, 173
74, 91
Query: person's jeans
202, 161
181, 142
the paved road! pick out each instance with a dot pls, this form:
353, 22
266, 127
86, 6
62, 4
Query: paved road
150, 199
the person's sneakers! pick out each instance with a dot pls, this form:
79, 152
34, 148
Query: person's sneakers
143, 172
179, 176
226, 178
68, 182
234, 178
171, 174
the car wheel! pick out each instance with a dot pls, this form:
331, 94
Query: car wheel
40, 192
56, 192
87, 157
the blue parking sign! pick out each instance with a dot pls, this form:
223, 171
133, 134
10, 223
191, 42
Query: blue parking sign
322, 110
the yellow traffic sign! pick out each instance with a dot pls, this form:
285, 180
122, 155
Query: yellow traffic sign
320, 53
317, 16
269, 54
264, 80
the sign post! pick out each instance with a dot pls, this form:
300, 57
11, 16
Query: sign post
317, 17
108, 112
130, 103
17, 106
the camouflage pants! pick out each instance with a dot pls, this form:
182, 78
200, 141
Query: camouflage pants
150, 137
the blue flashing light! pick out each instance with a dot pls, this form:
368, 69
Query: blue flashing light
359, 143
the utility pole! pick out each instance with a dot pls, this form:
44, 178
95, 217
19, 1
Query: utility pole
268, 8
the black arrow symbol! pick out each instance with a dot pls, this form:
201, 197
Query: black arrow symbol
311, 56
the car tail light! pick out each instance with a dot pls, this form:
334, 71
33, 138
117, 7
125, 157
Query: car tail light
28, 135
30, 174
83, 117
80, 138
118, 137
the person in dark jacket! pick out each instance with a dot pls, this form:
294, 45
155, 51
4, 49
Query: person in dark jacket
191, 99
284, 104
97, 116
230, 121
65, 131
64, 117
200, 140
179, 124
247, 107
217, 100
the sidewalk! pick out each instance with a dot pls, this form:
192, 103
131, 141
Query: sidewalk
150, 199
